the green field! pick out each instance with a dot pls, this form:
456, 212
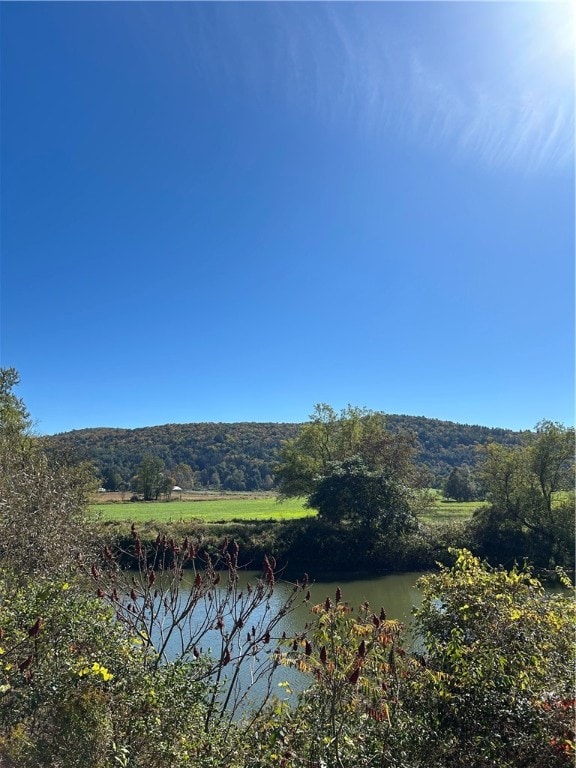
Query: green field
220, 510
451, 511
209, 511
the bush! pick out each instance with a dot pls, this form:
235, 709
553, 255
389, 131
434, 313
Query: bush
500, 656
490, 683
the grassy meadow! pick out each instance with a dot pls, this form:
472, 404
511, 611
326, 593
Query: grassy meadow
244, 507
451, 511
220, 509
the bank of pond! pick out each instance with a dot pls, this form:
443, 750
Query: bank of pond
325, 550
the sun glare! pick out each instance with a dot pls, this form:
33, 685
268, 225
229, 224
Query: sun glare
565, 33
559, 31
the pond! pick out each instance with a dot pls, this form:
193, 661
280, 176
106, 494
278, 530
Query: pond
396, 593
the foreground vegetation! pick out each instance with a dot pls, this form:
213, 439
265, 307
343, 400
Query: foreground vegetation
101, 670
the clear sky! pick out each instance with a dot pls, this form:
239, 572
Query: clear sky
233, 211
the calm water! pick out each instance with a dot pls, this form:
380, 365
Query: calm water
396, 593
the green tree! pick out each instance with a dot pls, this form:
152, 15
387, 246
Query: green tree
326, 438
350, 467
530, 490
460, 485
112, 480
150, 480
14, 418
524, 479
42, 498
551, 460
235, 481
268, 482
370, 499
183, 475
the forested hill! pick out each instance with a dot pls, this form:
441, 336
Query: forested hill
445, 444
242, 456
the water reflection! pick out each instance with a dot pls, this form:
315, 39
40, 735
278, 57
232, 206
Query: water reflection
396, 593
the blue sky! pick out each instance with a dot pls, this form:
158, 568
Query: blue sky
232, 211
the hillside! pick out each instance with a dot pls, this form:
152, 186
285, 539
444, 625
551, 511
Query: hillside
446, 444
242, 456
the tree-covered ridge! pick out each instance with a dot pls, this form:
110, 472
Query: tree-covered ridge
234, 457
243, 456
444, 445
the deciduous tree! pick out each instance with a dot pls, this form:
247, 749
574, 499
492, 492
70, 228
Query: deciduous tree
183, 475
460, 485
150, 480
351, 468
42, 498
369, 499
530, 490
14, 418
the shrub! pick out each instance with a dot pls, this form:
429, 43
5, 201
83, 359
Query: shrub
500, 655
488, 684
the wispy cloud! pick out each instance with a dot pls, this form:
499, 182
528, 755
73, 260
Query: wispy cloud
386, 75
385, 79
532, 130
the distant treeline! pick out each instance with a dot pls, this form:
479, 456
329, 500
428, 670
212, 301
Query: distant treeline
242, 457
